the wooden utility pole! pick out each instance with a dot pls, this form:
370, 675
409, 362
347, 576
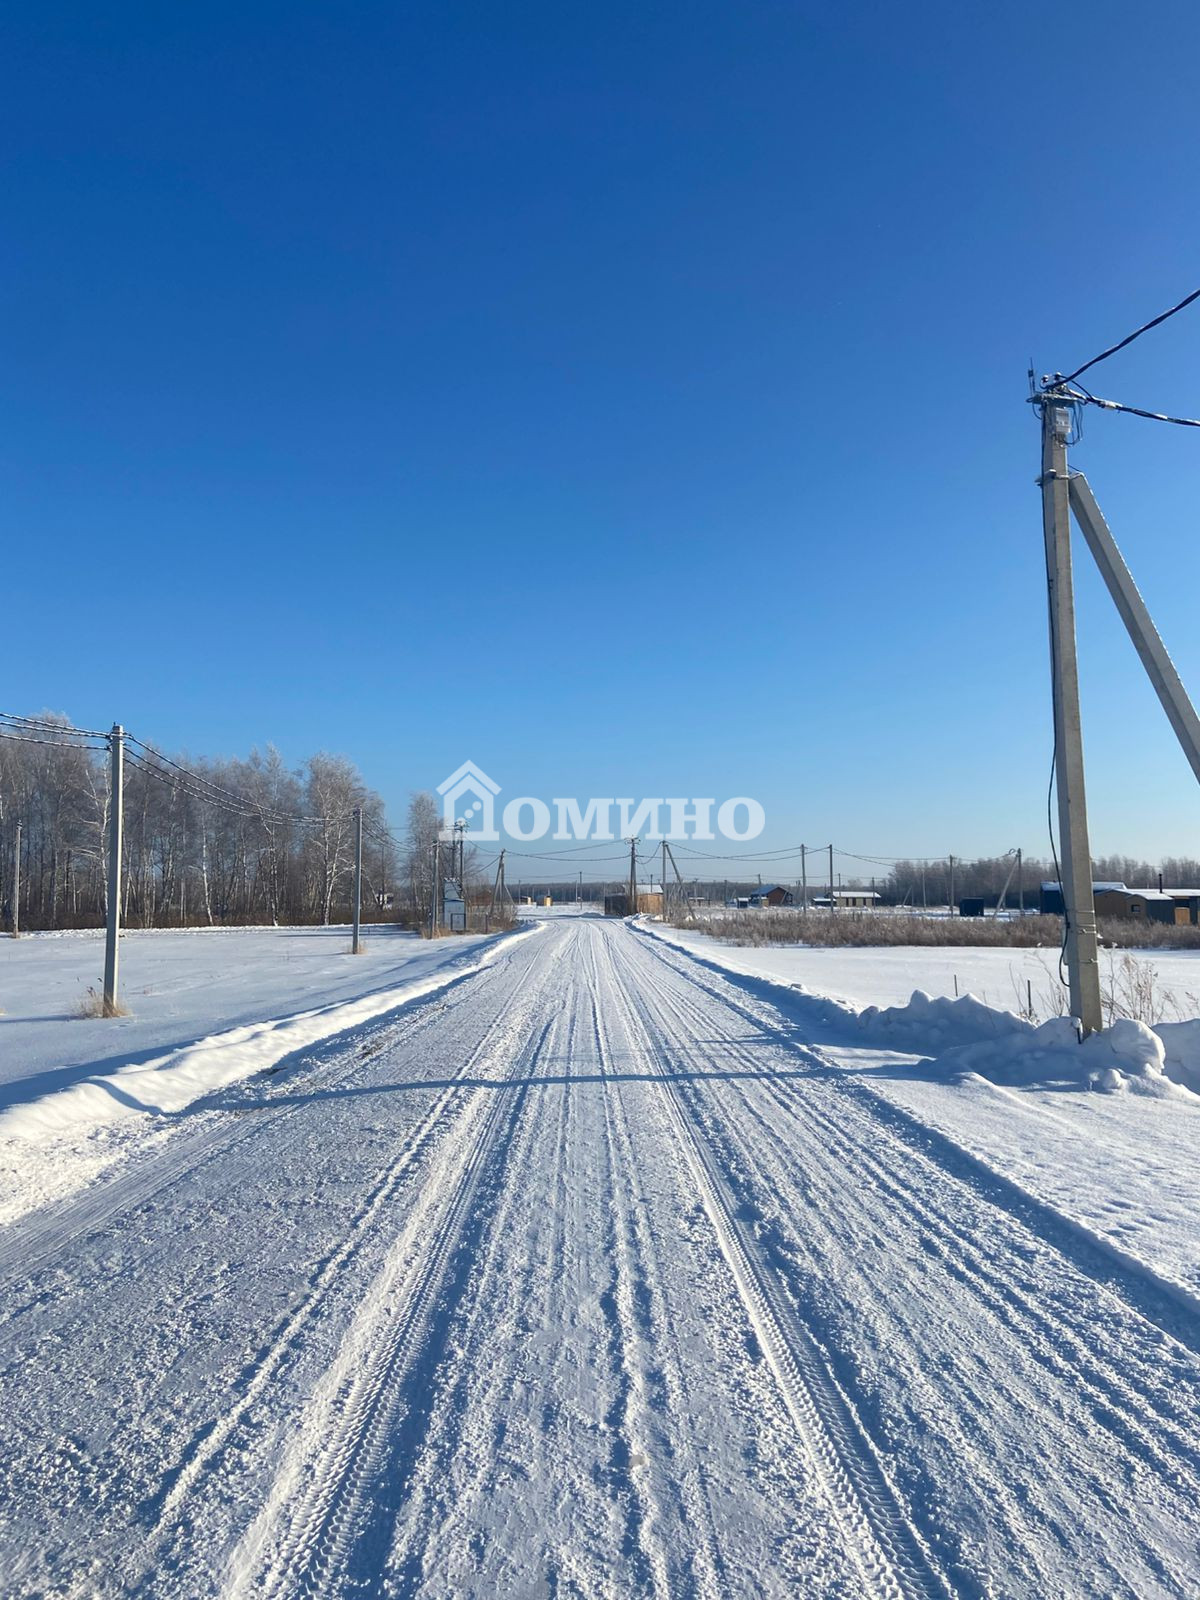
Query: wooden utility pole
433, 898
16, 888
1079, 906
663, 885
356, 948
950, 907
832, 905
116, 809
803, 880
633, 877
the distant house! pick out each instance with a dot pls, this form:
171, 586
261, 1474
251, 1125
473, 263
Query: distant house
855, 899
649, 901
1116, 900
771, 895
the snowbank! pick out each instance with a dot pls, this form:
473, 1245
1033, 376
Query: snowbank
966, 1037
173, 1081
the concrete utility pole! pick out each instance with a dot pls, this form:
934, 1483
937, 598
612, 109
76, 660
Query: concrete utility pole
1147, 641
357, 946
1021, 881
633, 877
663, 885
16, 890
499, 883
832, 903
116, 810
1079, 906
950, 908
433, 899
803, 880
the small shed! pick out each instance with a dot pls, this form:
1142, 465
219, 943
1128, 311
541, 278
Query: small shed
1187, 905
972, 906
855, 899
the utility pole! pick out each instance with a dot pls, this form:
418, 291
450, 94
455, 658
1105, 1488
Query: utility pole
663, 885
16, 892
356, 948
633, 877
803, 881
116, 809
950, 907
433, 899
1020, 880
1079, 906
499, 883
832, 905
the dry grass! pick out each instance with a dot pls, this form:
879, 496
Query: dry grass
849, 928
92, 1005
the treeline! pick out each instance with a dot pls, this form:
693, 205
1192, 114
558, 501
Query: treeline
229, 841
919, 883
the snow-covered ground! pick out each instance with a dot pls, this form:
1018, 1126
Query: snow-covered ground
1122, 1164
888, 976
604, 1270
207, 1008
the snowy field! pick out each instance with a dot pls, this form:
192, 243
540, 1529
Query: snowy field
593, 1261
207, 1007
888, 976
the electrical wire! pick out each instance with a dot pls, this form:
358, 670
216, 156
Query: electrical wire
196, 778
57, 744
233, 805
53, 727
1128, 339
1079, 393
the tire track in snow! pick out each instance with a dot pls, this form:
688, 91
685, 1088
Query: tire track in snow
1110, 1384
303, 1540
1131, 1282
1118, 1400
31, 1244
423, 1499
1115, 1400
170, 1504
888, 1550
639, 1298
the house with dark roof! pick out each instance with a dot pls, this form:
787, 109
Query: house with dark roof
1115, 900
771, 894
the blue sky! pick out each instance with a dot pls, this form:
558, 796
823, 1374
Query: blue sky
627, 398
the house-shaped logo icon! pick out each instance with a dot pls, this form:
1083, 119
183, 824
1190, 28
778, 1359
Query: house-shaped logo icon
469, 780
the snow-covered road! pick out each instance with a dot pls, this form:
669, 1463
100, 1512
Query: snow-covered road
587, 1276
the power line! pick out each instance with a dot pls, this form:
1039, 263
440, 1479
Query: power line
222, 800
1080, 393
55, 727
1128, 339
206, 788
58, 744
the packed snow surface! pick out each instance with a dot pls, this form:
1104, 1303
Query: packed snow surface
603, 1270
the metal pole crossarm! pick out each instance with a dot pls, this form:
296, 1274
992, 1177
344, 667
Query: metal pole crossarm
1147, 641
